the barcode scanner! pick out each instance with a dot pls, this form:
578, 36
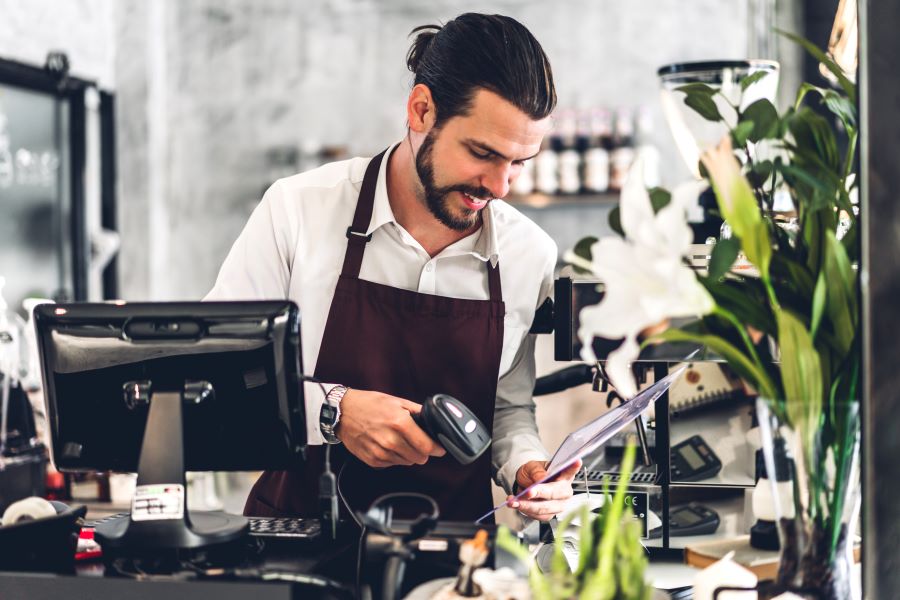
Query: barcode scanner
453, 426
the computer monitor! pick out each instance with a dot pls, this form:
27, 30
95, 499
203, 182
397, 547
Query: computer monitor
160, 388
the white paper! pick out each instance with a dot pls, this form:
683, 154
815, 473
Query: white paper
592, 435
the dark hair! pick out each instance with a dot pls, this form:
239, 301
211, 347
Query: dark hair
474, 51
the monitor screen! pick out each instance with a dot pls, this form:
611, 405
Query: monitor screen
237, 364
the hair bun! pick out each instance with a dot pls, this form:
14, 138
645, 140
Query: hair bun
426, 34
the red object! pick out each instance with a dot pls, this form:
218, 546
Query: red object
55, 485
87, 548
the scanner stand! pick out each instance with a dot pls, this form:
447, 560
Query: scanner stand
159, 518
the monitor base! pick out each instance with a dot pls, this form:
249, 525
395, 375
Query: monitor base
198, 530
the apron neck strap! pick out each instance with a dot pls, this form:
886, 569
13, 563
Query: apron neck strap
357, 237
356, 233
494, 281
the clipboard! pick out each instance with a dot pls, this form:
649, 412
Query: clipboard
593, 434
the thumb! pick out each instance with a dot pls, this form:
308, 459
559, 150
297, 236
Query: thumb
411, 407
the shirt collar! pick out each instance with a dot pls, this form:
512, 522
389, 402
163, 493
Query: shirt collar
485, 243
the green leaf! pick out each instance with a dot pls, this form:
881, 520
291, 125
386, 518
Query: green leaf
841, 107
801, 376
723, 256
740, 299
659, 198
739, 208
842, 299
818, 305
811, 130
582, 249
704, 106
757, 246
743, 366
792, 274
764, 117
615, 220
845, 83
751, 79
696, 88
759, 173
701, 168
740, 133
838, 104
804, 89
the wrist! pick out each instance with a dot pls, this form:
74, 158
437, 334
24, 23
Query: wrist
330, 414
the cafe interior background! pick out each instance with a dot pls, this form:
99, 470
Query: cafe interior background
194, 108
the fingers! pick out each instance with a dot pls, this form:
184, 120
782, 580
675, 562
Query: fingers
543, 510
555, 490
569, 473
379, 457
545, 500
412, 407
414, 435
404, 448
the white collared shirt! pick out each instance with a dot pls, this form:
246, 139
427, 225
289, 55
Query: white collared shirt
293, 247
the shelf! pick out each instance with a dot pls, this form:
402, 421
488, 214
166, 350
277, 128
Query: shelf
538, 200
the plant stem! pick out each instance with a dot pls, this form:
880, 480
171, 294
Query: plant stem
742, 331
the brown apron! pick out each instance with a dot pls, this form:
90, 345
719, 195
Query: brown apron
409, 345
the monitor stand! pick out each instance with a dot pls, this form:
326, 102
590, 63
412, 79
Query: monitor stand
159, 517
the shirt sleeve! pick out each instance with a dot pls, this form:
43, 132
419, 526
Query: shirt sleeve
515, 439
258, 267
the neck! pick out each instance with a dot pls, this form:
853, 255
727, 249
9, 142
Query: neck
409, 207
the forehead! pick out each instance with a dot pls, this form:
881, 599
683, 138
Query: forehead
497, 122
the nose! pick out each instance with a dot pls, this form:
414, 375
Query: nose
497, 180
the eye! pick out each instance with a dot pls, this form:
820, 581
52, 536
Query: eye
480, 155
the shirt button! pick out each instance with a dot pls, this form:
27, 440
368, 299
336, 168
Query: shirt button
429, 267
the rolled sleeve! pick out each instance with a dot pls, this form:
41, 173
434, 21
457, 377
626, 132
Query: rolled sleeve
516, 439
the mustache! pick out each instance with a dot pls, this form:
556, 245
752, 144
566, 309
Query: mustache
478, 192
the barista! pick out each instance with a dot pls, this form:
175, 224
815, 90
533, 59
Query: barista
414, 277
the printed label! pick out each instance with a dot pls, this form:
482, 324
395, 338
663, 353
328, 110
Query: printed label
158, 502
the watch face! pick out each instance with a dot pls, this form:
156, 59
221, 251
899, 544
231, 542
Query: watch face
328, 414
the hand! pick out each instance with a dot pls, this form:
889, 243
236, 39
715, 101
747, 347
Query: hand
378, 429
544, 501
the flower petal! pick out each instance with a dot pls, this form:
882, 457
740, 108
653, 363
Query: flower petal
618, 367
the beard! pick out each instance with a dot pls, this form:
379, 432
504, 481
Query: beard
438, 199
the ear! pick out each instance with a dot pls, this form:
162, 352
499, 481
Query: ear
421, 112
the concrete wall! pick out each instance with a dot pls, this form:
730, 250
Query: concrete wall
83, 29
233, 80
207, 89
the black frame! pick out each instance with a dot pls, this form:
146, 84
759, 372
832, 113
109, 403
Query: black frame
72, 91
879, 89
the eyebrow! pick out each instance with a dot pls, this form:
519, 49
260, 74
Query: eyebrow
487, 148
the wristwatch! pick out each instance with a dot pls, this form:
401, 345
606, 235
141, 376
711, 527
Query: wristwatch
330, 414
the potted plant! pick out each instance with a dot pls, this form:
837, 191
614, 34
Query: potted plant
788, 324
611, 558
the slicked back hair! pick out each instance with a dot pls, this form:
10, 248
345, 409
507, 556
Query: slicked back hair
477, 51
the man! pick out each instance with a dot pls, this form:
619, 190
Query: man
414, 278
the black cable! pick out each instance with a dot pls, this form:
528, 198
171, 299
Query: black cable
328, 489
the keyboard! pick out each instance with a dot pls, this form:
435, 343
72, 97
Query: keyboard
285, 527
266, 527
595, 477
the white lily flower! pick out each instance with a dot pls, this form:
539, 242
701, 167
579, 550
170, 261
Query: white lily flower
644, 275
